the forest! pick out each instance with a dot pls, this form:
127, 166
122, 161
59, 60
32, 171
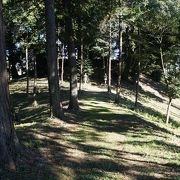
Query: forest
89, 89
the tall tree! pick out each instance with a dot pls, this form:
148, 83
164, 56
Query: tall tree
109, 59
35, 81
163, 33
73, 102
53, 78
172, 73
27, 71
117, 99
8, 139
138, 69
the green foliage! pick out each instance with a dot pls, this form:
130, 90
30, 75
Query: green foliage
25, 20
101, 47
87, 67
173, 73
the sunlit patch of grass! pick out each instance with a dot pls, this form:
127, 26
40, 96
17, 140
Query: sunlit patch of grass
25, 125
153, 117
150, 113
154, 148
103, 141
84, 135
94, 175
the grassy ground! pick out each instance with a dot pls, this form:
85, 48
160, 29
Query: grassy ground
101, 141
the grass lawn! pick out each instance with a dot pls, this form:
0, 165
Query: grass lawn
101, 141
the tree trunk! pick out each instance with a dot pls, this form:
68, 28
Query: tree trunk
109, 60
117, 99
52, 60
128, 60
27, 71
80, 45
168, 110
104, 65
58, 62
73, 102
35, 83
8, 138
62, 64
138, 69
162, 62
165, 77
137, 84
81, 66
58, 50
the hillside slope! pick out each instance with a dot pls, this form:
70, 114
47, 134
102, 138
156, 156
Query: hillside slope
101, 141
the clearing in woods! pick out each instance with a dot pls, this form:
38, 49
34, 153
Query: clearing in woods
101, 141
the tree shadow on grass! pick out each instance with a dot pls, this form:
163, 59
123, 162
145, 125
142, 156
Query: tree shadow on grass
122, 157
156, 114
126, 103
22, 100
125, 122
33, 163
158, 86
25, 110
46, 159
156, 143
151, 95
104, 121
117, 156
96, 96
51, 150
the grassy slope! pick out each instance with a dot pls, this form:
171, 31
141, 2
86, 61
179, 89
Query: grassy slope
102, 141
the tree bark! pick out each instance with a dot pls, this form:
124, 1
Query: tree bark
81, 46
62, 64
137, 85
162, 62
128, 60
81, 66
138, 69
168, 110
117, 99
53, 78
109, 60
35, 82
8, 138
165, 77
73, 102
27, 71
58, 62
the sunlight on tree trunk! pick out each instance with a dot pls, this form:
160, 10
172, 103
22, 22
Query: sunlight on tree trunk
27, 71
73, 100
118, 88
81, 66
62, 64
109, 60
35, 104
